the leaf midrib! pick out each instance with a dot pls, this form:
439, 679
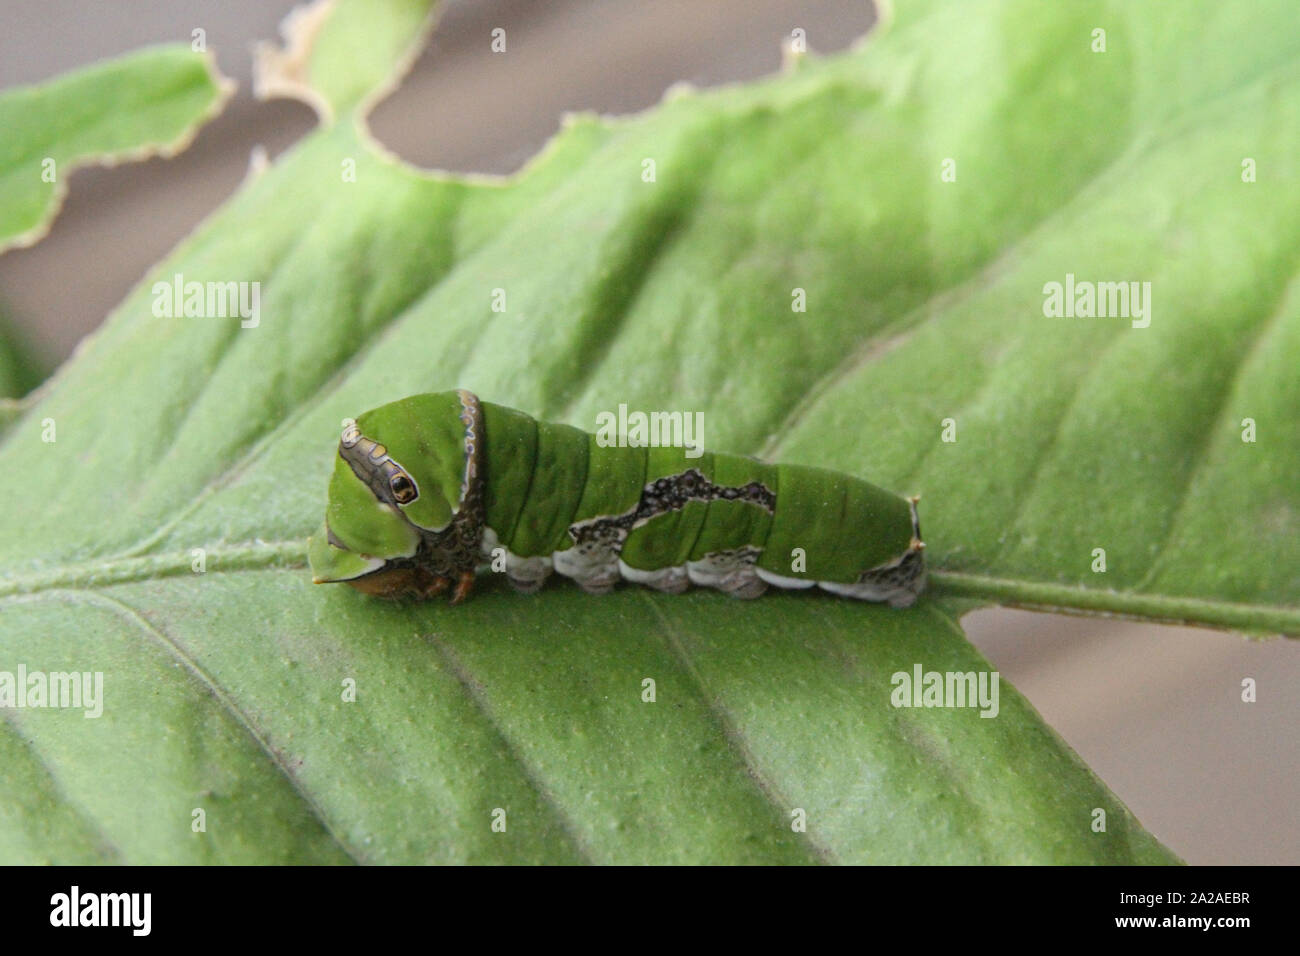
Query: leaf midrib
291, 555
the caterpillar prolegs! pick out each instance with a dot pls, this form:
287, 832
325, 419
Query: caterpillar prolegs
429, 489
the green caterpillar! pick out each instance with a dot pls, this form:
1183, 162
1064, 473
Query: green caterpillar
427, 489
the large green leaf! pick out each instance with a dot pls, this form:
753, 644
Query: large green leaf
925, 301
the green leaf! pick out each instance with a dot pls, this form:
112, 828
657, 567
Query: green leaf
146, 104
19, 369
925, 301
222, 691
341, 57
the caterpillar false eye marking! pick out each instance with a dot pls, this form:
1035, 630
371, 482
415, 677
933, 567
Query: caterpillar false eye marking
428, 489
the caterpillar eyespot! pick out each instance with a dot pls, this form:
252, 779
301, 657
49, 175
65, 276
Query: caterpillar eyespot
428, 490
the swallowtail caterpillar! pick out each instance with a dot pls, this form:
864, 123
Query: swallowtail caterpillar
428, 489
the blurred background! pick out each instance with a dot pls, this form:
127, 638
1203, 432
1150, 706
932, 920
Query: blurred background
1156, 711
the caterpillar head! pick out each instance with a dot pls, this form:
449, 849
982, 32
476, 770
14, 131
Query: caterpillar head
399, 479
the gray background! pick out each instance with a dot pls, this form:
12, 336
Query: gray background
1156, 711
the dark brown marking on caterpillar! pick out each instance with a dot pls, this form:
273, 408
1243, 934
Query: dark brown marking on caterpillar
669, 493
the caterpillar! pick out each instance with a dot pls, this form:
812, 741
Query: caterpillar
427, 490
